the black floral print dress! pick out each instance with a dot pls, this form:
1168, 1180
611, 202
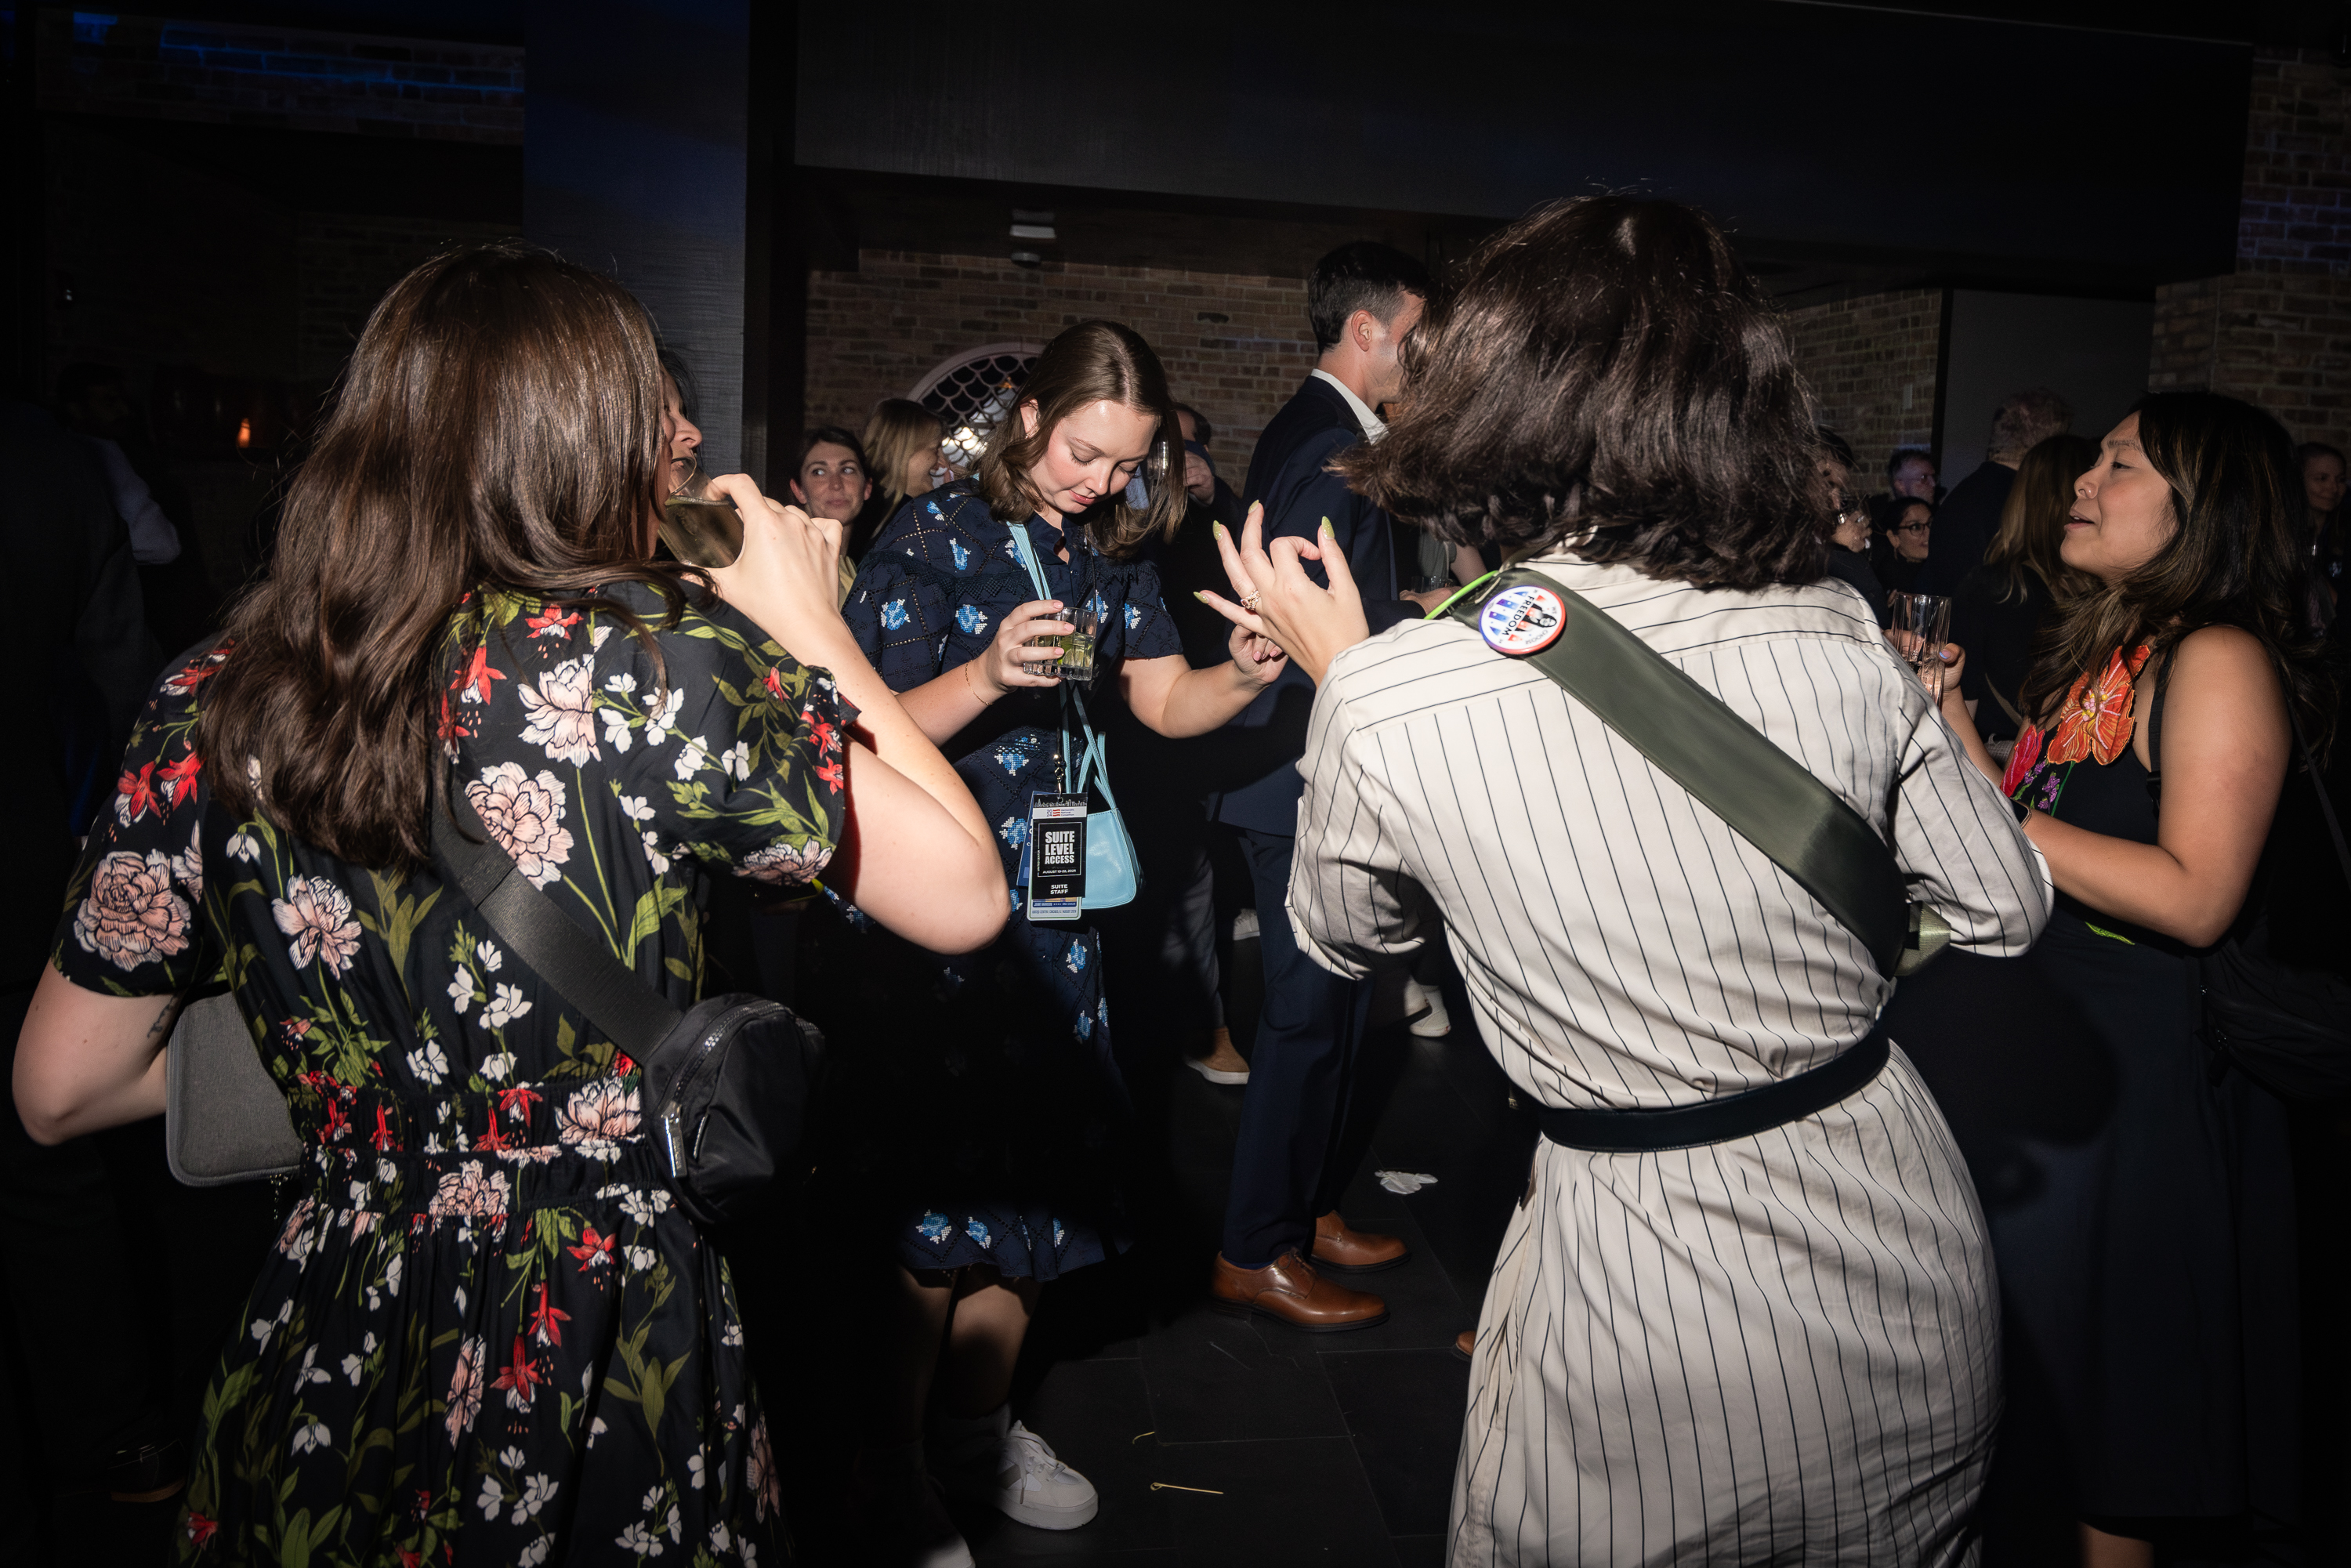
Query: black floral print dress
485, 1335
995, 1101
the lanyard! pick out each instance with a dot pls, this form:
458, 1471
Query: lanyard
1092, 763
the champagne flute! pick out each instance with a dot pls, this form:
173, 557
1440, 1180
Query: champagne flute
701, 527
1922, 625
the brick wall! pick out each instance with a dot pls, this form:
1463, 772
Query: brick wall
287, 78
2277, 330
1235, 346
1871, 362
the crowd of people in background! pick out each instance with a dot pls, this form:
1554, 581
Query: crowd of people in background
1306, 708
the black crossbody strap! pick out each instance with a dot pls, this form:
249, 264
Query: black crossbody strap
631, 1014
1727, 765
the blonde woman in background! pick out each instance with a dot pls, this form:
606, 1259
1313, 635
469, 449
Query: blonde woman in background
901, 440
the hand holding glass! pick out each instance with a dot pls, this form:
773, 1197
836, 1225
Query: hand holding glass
1076, 645
1922, 625
700, 526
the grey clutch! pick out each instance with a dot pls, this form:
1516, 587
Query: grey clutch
224, 1120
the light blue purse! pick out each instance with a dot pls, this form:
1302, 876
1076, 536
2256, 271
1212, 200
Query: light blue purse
1111, 875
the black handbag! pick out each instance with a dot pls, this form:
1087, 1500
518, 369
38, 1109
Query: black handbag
2284, 1020
727, 1084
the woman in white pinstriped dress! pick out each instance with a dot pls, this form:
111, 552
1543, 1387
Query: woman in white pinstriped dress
1781, 1346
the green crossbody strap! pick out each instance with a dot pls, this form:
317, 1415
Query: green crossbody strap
1727, 765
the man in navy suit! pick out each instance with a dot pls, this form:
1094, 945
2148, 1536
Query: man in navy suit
1302, 1130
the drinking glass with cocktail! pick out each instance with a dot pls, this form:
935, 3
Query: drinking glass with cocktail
1076, 645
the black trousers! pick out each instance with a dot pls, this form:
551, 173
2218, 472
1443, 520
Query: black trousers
1304, 1124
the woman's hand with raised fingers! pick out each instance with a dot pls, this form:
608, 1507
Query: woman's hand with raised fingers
1279, 602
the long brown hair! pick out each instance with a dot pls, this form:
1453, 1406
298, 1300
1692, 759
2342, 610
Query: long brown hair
2033, 521
2231, 560
500, 423
1093, 362
1605, 373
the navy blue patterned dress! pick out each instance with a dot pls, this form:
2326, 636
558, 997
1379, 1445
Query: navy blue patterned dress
990, 1107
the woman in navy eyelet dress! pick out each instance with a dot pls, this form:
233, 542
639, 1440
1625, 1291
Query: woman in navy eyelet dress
989, 1113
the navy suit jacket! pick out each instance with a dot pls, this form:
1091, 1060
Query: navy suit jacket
1290, 471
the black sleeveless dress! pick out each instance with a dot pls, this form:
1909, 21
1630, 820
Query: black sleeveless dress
2141, 1210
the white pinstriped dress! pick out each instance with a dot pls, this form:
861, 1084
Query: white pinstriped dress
1782, 1348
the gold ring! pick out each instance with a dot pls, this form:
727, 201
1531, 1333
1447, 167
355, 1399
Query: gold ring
1250, 602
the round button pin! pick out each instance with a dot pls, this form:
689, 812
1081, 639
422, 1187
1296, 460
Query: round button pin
1521, 620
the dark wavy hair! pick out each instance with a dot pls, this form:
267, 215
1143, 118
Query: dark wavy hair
1605, 373
2234, 558
499, 425
1090, 362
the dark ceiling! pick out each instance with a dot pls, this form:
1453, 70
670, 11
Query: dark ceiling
1847, 147
2305, 23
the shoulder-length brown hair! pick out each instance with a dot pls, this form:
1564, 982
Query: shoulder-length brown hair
500, 423
1090, 362
2033, 521
1605, 373
2232, 559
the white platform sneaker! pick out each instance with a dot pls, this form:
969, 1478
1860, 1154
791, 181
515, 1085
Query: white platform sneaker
995, 1460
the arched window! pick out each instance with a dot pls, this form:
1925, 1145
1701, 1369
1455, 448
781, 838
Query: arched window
973, 392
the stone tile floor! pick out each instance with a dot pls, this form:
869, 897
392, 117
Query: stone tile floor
1293, 1447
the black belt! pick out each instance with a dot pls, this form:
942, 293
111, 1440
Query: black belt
1739, 1115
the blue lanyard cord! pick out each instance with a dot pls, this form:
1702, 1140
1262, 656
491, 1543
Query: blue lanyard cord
1096, 765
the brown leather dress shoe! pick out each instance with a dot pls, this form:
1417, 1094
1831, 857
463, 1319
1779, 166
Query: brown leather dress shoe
1289, 1290
1354, 1251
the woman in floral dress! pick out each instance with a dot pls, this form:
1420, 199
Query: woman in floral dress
2142, 1215
1009, 1176
486, 1335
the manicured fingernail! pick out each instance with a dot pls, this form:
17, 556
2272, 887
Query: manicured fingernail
1327, 532
1201, 594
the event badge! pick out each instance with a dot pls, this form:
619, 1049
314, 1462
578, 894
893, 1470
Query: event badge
1055, 856
1524, 617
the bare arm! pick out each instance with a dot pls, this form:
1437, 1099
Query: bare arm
943, 706
2226, 744
87, 1061
922, 849
1178, 701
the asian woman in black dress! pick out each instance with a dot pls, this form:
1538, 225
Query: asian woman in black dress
2148, 1268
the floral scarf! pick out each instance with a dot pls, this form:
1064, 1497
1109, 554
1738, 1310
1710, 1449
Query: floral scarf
2094, 723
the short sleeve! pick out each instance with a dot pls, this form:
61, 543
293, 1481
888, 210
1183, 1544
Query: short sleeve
1145, 630
900, 621
132, 923
741, 763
